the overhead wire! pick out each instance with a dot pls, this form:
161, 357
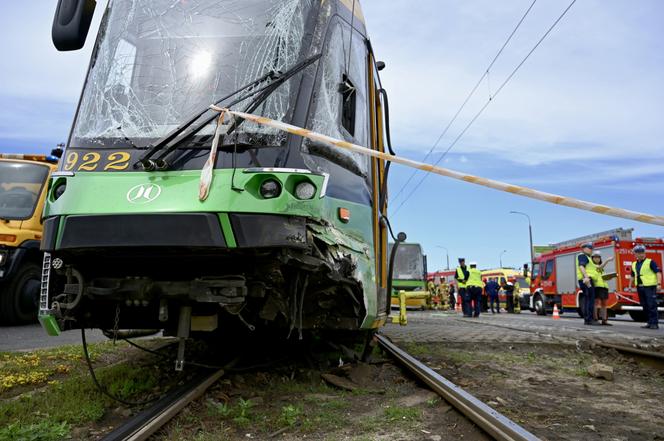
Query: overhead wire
477, 115
470, 95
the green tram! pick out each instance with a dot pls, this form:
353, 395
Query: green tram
292, 235
409, 273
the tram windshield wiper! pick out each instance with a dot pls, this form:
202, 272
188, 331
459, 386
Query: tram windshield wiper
276, 79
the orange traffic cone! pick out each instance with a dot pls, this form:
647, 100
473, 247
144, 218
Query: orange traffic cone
556, 316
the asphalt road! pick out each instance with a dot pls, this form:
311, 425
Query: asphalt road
23, 338
620, 325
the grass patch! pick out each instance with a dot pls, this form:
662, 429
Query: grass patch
402, 414
69, 398
22, 370
43, 431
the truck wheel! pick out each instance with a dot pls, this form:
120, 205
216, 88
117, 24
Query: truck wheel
638, 316
19, 300
540, 307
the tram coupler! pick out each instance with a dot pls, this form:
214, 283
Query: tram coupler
403, 297
184, 325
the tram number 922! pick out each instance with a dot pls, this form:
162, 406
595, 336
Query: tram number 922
93, 161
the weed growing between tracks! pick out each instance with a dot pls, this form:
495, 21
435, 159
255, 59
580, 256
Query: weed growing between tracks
292, 402
48, 394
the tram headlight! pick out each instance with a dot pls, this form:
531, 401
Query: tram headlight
270, 189
59, 190
305, 190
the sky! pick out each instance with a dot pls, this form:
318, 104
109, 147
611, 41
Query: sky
581, 118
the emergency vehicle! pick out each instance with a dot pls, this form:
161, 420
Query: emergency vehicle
23, 189
504, 275
555, 282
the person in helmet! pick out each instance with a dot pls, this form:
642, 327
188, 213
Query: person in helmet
647, 277
601, 288
508, 287
585, 273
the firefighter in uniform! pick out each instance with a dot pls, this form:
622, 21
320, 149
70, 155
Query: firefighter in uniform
443, 292
517, 298
648, 278
586, 271
461, 277
475, 286
433, 294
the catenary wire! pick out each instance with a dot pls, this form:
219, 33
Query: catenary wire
477, 115
470, 95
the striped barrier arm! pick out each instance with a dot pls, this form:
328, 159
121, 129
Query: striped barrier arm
490, 183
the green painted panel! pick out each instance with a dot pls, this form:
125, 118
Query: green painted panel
227, 229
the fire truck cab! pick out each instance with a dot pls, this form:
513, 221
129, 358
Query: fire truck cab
555, 282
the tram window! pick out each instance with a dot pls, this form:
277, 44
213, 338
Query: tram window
348, 104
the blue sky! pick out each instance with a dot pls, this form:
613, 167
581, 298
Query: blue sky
583, 116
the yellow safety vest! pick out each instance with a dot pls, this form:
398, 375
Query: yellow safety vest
591, 268
648, 276
598, 280
475, 278
459, 272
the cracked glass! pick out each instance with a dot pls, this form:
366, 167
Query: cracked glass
157, 62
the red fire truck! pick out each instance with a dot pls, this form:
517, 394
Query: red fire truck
555, 280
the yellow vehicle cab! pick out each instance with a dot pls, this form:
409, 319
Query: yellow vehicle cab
23, 188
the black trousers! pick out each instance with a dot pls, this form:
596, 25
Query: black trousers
648, 298
510, 302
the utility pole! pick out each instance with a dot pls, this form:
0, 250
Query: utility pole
447, 254
530, 233
501, 258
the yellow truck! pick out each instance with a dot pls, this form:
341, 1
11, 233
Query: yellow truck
23, 188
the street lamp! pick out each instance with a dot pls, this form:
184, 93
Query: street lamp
530, 232
447, 253
501, 258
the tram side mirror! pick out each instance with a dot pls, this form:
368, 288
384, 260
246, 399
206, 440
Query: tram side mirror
380, 65
401, 237
72, 23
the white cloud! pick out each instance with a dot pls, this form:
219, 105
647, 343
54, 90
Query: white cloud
592, 90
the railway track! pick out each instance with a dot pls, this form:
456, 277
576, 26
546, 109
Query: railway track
149, 421
491, 421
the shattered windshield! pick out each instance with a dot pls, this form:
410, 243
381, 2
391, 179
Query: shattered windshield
157, 62
408, 263
20, 186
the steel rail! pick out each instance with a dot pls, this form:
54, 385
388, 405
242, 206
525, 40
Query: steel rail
490, 420
659, 356
143, 425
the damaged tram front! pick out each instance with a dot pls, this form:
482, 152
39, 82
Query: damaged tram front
288, 236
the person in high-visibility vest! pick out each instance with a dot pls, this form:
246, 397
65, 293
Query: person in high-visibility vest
585, 272
461, 277
647, 277
475, 286
601, 288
